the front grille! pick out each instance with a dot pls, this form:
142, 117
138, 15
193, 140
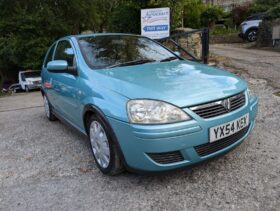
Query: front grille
220, 107
209, 148
166, 157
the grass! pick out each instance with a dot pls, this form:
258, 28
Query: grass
2, 94
277, 94
223, 31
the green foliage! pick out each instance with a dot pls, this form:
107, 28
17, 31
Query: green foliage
223, 31
27, 28
273, 13
211, 15
240, 13
125, 18
258, 8
270, 3
192, 12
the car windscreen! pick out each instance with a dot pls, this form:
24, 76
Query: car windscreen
33, 74
105, 51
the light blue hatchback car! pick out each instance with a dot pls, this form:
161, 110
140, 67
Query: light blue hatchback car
143, 107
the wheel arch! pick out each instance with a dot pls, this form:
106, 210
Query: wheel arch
42, 92
91, 109
252, 28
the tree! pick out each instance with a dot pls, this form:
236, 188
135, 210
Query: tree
27, 28
211, 15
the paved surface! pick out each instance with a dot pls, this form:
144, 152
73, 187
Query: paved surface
258, 63
48, 166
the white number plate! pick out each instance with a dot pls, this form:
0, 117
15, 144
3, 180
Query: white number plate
229, 128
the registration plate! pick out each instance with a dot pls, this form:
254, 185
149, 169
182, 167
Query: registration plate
229, 128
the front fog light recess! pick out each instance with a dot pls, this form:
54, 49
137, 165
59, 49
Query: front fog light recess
154, 112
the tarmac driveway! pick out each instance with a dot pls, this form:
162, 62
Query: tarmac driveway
48, 166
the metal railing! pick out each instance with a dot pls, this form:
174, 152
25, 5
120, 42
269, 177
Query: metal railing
204, 51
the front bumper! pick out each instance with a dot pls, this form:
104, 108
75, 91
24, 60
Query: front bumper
34, 86
137, 142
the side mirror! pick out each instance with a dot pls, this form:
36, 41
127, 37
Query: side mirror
57, 66
61, 66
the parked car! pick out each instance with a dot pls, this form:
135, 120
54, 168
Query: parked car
143, 107
249, 28
29, 80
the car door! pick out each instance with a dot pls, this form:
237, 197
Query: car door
47, 78
65, 84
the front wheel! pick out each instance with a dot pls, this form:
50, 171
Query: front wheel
26, 89
48, 109
103, 148
251, 35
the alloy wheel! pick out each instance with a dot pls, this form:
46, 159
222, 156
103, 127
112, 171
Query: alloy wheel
252, 36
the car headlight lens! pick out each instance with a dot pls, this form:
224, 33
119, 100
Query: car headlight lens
154, 112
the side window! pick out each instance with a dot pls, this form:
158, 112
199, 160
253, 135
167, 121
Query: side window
49, 56
64, 51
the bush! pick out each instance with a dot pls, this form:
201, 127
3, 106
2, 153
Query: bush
258, 8
192, 13
211, 15
240, 13
267, 2
125, 18
273, 13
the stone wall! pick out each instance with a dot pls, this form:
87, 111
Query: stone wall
192, 43
265, 33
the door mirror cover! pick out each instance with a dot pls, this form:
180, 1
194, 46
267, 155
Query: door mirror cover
57, 66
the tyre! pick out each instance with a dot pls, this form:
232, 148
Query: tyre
251, 35
48, 109
26, 89
103, 148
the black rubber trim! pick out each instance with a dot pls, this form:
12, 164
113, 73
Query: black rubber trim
209, 148
96, 110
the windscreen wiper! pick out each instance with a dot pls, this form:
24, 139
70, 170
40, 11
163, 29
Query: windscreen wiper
169, 59
135, 62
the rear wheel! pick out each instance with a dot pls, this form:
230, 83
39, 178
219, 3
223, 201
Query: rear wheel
48, 109
251, 35
103, 148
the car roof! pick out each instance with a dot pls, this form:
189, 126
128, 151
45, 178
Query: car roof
29, 71
99, 34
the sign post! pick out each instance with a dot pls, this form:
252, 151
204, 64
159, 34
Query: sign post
155, 23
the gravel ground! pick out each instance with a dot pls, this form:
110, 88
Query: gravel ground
48, 166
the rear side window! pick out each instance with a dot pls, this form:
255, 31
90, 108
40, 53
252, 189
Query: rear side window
64, 51
49, 56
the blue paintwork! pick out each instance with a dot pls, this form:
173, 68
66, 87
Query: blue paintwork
57, 65
182, 83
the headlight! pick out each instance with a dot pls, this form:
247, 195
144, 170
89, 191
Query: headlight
154, 112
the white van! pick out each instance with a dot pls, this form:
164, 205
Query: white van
29, 80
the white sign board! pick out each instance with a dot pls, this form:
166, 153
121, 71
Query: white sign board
155, 23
